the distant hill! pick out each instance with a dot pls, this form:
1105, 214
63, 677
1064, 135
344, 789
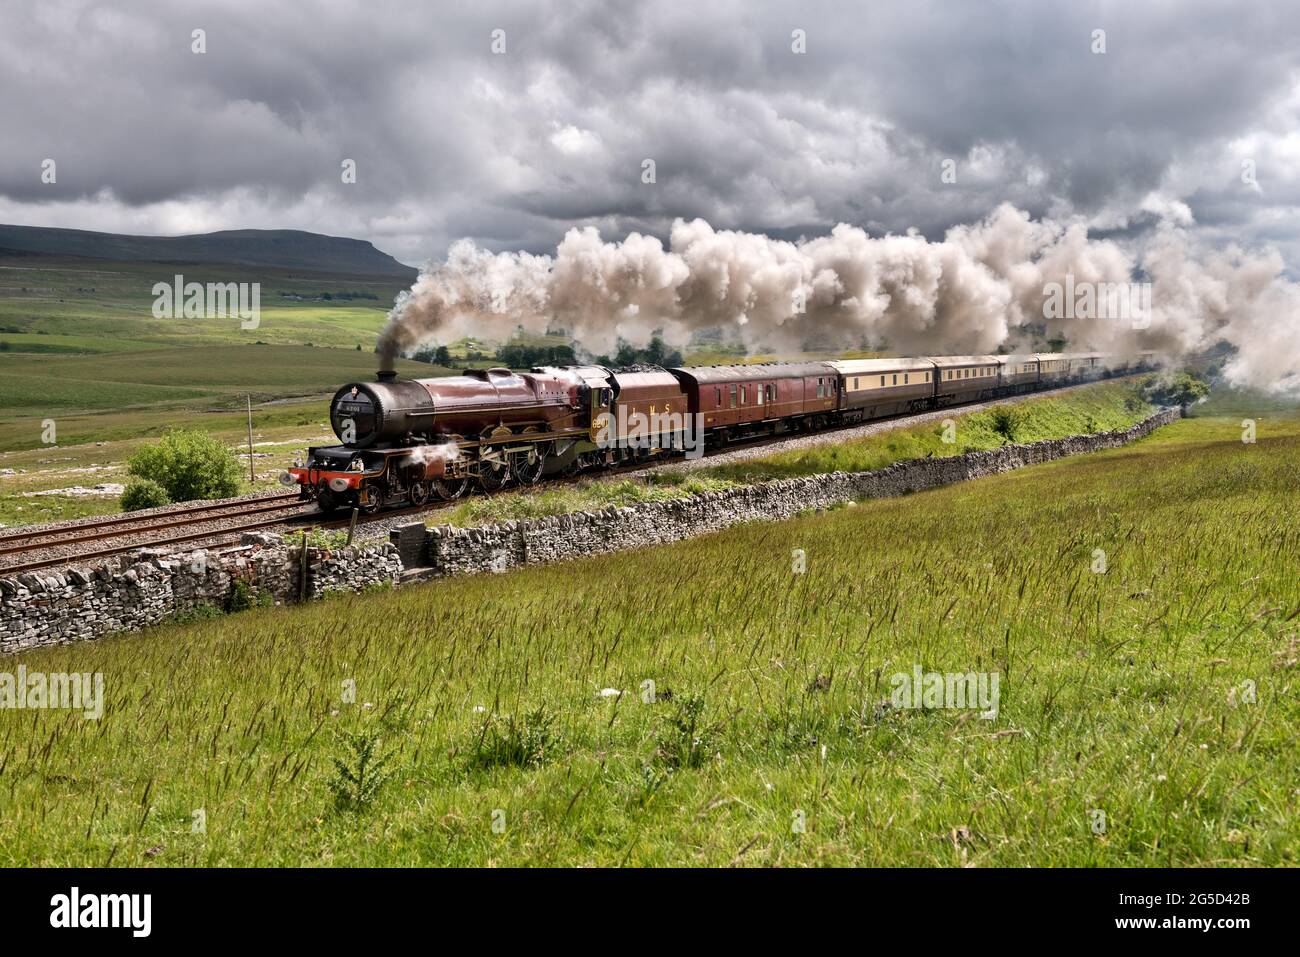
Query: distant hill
274, 248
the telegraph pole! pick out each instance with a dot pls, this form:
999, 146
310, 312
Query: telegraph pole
251, 477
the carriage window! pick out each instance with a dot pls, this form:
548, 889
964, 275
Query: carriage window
895, 382
882, 380
905, 378
758, 394
771, 392
733, 397
717, 397
743, 390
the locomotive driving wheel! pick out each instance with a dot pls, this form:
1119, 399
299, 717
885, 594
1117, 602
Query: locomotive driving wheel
449, 488
493, 474
419, 493
526, 466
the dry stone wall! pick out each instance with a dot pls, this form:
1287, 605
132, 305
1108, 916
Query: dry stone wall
131, 592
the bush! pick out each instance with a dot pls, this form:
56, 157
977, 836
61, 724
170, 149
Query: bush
143, 493
244, 596
189, 464
1177, 388
1005, 421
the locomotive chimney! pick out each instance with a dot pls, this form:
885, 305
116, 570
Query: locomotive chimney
387, 375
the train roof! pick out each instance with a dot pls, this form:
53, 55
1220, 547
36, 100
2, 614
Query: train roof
871, 366
1049, 356
597, 377
644, 377
947, 361
709, 375
1017, 357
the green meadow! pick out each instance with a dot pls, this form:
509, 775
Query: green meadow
1140, 607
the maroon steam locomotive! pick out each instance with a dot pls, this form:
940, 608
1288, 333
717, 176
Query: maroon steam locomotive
409, 441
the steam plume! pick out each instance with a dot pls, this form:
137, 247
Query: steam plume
981, 287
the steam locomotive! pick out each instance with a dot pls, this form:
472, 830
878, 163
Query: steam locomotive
406, 442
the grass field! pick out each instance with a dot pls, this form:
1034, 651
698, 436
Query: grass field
1161, 694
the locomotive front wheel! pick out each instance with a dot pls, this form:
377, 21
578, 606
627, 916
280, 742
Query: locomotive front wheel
372, 503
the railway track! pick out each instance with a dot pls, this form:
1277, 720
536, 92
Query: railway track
124, 524
92, 540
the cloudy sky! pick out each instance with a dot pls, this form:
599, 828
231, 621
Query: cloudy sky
452, 139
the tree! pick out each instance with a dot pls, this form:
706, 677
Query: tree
1177, 388
188, 464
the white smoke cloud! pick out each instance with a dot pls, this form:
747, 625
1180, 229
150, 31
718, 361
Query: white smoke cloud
983, 286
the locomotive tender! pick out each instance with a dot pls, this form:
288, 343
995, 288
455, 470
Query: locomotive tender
407, 442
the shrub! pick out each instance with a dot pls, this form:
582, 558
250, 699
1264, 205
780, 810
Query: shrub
244, 596
200, 612
189, 464
1004, 421
1178, 388
143, 493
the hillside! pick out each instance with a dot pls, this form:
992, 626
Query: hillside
265, 248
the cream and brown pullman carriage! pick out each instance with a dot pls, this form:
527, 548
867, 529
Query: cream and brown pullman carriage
1052, 368
1018, 373
872, 388
965, 378
1084, 366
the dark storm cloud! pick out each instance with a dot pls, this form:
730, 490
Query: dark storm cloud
451, 140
